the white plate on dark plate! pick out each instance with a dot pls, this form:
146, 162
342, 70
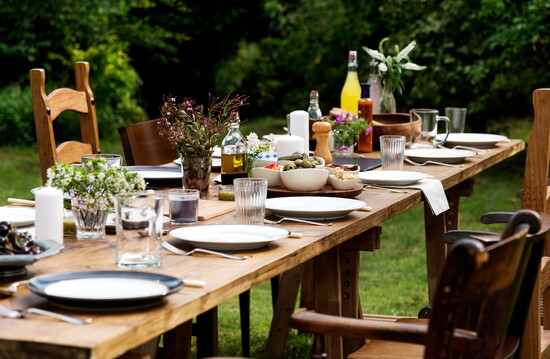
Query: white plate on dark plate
444, 155
229, 236
156, 172
478, 140
104, 288
313, 207
392, 178
216, 163
17, 216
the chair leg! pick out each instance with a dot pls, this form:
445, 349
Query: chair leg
206, 331
274, 290
244, 306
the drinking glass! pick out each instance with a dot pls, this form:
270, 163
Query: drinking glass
457, 116
139, 220
184, 206
250, 195
427, 137
112, 160
392, 151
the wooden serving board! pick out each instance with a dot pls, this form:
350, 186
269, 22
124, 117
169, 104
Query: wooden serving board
326, 190
210, 208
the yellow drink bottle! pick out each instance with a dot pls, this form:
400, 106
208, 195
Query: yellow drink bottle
351, 92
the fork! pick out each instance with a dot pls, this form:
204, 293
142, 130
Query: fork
431, 163
12, 288
10, 313
176, 250
296, 220
473, 149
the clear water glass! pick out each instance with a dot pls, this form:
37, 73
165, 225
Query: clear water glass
392, 151
250, 195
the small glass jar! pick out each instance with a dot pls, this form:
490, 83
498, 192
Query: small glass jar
226, 193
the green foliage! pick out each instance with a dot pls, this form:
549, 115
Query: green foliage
16, 116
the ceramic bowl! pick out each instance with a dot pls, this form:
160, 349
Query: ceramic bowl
342, 184
331, 171
304, 179
273, 176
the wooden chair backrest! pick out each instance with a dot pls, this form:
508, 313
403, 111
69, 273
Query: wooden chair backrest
48, 107
143, 145
486, 290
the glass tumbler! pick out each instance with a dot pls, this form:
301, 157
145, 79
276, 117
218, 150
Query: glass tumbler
250, 195
392, 151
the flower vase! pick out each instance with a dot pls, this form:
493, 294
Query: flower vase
196, 173
90, 217
387, 101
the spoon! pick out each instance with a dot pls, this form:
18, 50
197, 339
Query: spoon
10, 313
387, 189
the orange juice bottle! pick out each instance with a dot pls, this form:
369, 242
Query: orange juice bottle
351, 92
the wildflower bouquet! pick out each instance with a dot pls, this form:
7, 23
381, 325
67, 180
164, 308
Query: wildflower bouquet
95, 181
194, 130
347, 128
390, 67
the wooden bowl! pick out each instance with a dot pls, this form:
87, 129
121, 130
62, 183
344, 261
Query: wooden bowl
393, 124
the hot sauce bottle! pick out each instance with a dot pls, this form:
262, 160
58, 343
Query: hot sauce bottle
365, 111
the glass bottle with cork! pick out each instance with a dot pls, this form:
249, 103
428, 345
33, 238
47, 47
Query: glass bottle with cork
351, 92
234, 152
315, 115
364, 144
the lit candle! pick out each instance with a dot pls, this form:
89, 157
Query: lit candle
299, 126
288, 144
49, 214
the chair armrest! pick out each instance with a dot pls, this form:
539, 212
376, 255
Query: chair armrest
485, 237
496, 217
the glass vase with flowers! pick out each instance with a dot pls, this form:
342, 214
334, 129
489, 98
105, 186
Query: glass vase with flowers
194, 130
92, 188
390, 70
346, 130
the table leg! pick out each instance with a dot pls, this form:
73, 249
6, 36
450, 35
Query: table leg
206, 331
177, 342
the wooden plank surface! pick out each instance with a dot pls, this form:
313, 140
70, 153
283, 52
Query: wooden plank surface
210, 208
112, 334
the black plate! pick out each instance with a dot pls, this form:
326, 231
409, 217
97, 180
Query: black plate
159, 182
365, 164
40, 284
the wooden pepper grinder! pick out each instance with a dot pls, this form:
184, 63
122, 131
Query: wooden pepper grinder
322, 129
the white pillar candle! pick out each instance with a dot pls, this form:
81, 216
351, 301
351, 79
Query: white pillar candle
49, 214
288, 144
299, 126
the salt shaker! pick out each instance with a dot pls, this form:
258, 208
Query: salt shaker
49, 214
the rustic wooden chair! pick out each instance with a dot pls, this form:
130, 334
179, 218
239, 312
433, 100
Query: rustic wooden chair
48, 107
143, 145
534, 195
479, 308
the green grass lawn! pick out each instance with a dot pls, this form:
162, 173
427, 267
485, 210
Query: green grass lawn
393, 278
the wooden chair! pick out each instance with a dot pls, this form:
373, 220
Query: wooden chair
534, 195
48, 107
479, 308
143, 145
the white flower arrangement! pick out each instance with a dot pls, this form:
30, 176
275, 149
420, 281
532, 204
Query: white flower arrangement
390, 68
256, 147
94, 181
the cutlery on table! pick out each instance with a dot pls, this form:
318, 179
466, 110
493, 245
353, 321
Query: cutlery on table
176, 250
457, 147
24, 202
296, 220
430, 163
12, 288
10, 313
387, 189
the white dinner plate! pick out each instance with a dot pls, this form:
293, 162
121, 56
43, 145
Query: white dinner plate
156, 172
17, 216
478, 140
229, 236
392, 178
445, 155
104, 287
313, 207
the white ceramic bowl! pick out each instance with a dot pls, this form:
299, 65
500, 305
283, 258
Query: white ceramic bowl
273, 176
342, 184
304, 179
331, 171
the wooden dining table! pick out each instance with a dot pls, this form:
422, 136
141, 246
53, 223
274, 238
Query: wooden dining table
331, 249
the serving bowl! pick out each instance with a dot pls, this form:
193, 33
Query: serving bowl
393, 124
304, 179
337, 183
273, 176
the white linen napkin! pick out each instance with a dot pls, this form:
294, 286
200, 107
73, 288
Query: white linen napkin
433, 193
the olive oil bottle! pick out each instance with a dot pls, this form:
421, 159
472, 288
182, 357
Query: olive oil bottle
234, 152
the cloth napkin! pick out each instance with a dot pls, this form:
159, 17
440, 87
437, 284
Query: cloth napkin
433, 193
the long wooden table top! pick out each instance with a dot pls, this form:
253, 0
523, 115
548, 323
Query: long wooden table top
112, 334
